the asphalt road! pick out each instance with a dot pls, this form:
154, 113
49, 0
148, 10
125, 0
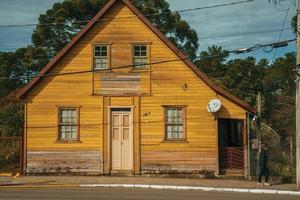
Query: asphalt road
129, 194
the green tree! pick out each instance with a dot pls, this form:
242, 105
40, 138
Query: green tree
11, 118
212, 63
280, 92
68, 13
9, 67
22, 62
244, 78
279, 109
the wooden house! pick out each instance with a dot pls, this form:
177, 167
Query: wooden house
121, 98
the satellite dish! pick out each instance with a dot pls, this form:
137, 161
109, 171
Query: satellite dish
214, 105
270, 135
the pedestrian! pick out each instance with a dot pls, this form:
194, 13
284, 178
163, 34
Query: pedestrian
263, 165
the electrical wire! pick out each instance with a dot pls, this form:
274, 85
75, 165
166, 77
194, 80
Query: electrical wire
245, 33
132, 16
283, 24
237, 51
201, 38
92, 70
277, 8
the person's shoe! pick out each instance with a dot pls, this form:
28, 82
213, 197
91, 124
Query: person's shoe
267, 184
259, 183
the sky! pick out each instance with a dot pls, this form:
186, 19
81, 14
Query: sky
213, 26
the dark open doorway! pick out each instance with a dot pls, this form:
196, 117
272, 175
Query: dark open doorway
230, 137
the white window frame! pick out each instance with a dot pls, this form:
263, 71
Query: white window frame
176, 122
140, 61
101, 57
68, 124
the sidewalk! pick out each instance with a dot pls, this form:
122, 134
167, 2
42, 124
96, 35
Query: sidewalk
92, 181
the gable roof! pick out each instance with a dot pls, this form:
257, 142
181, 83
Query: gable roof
107, 6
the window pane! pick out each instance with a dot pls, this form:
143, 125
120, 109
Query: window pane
173, 113
68, 123
97, 48
180, 135
143, 52
137, 50
101, 66
103, 49
97, 54
100, 50
100, 57
143, 48
174, 126
62, 132
140, 55
100, 63
139, 62
73, 117
104, 60
68, 115
180, 128
169, 132
169, 120
103, 54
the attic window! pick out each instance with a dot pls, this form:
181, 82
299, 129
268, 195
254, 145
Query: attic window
140, 56
101, 57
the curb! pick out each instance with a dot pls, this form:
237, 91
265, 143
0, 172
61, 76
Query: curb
35, 186
5, 174
205, 189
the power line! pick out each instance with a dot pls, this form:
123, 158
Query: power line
283, 24
100, 124
200, 38
132, 16
245, 33
277, 8
92, 70
285, 18
237, 51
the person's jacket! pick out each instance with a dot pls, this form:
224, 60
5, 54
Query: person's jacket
263, 159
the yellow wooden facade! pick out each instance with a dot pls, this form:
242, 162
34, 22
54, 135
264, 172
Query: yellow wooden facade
170, 83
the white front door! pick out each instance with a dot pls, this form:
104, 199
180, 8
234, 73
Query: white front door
121, 137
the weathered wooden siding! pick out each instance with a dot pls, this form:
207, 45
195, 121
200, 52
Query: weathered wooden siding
163, 85
64, 161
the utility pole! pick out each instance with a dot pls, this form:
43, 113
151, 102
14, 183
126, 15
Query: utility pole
258, 131
298, 100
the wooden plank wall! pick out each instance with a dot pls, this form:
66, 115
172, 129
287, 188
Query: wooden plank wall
64, 162
117, 83
171, 84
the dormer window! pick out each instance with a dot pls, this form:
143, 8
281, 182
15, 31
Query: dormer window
140, 56
101, 56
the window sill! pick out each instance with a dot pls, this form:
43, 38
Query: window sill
175, 141
67, 141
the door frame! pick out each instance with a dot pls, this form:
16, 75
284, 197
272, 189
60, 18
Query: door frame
131, 135
244, 145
